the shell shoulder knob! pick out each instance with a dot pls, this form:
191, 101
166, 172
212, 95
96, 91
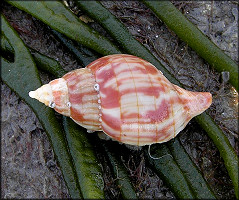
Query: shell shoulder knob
126, 97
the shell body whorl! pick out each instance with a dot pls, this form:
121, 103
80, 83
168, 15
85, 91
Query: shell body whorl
130, 100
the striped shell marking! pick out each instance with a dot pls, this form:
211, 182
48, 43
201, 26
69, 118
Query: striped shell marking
84, 109
139, 105
126, 97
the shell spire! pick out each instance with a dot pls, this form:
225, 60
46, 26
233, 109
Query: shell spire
43, 94
126, 97
54, 95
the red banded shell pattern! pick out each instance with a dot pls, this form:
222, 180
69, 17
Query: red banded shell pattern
126, 97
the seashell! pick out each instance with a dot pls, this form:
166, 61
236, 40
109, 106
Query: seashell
126, 97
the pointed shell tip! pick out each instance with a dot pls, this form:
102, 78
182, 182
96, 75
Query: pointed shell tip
31, 94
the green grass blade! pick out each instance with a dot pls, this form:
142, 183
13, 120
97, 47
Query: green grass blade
22, 76
169, 171
120, 172
222, 143
190, 34
87, 166
58, 17
196, 181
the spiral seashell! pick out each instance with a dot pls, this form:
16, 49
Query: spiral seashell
126, 97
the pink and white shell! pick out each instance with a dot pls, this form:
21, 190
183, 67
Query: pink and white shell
126, 97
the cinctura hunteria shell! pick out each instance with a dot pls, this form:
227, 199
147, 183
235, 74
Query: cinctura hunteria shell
126, 97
